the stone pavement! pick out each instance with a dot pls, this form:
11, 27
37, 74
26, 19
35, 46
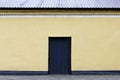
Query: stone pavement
62, 77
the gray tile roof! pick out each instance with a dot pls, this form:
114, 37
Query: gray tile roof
61, 3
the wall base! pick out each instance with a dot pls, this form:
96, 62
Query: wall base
72, 73
23, 72
95, 72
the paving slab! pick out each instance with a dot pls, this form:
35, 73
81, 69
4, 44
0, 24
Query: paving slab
61, 77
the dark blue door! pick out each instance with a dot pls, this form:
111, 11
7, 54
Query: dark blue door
59, 55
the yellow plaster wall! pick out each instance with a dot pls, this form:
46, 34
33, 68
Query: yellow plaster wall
24, 42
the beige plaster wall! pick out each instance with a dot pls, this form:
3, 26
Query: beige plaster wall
24, 42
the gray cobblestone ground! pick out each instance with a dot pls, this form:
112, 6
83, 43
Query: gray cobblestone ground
62, 77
